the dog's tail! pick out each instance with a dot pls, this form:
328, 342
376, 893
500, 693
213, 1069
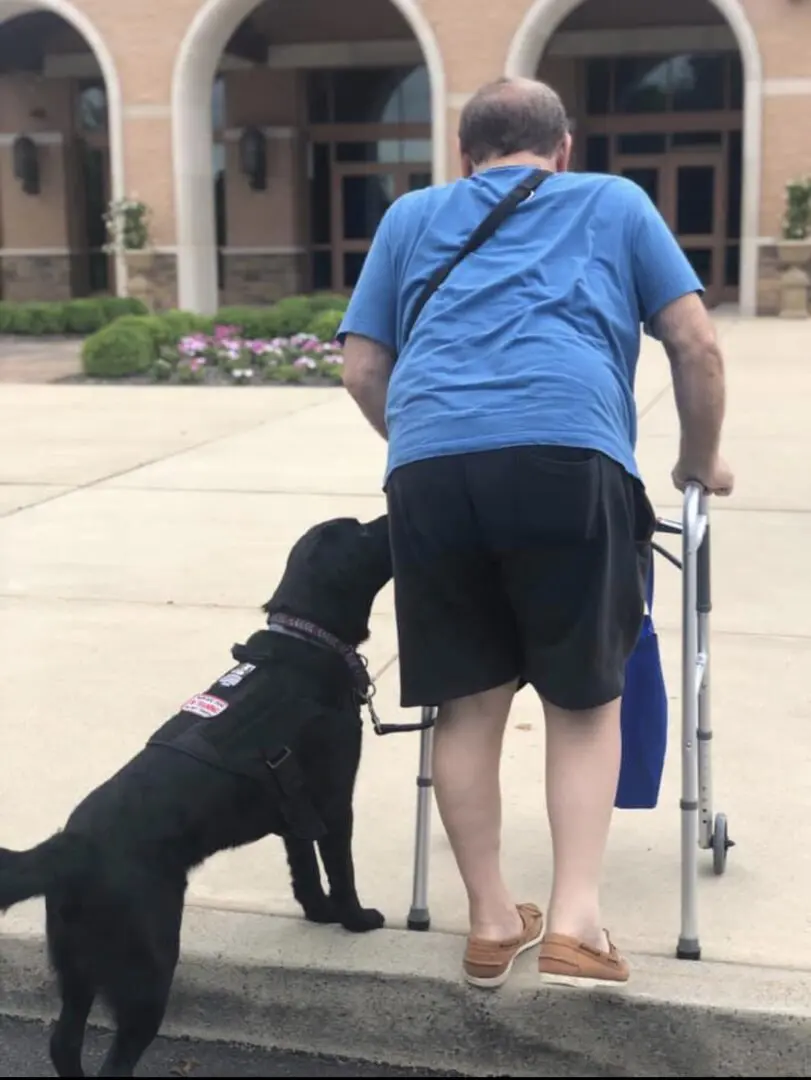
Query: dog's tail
26, 874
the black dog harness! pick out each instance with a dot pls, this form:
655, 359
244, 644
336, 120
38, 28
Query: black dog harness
242, 695
243, 692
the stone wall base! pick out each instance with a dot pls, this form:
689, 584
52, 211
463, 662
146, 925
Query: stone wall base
162, 279
37, 277
769, 272
263, 278
768, 285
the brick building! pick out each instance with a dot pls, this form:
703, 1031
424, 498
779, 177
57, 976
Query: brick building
267, 139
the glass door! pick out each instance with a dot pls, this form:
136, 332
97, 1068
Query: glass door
94, 171
688, 189
647, 172
697, 216
361, 194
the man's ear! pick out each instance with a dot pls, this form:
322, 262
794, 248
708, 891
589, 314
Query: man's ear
563, 155
467, 164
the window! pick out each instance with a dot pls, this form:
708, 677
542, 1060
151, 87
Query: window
91, 106
598, 154
218, 104
393, 95
682, 82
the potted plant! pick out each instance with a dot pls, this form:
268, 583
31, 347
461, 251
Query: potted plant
127, 223
794, 250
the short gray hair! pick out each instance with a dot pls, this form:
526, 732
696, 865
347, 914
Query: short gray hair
511, 116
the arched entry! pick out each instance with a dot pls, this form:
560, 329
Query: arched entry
217, 24
63, 94
543, 20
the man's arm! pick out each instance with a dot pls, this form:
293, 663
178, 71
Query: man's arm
368, 332
367, 369
697, 368
671, 308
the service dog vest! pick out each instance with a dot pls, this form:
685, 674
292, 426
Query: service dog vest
229, 727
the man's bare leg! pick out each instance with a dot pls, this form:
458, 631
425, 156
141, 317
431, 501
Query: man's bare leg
582, 771
467, 758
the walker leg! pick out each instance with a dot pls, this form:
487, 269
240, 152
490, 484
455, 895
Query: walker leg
419, 917
703, 607
694, 523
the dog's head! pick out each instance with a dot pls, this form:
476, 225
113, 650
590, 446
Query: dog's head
333, 574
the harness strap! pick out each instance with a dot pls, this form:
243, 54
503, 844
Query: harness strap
294, 800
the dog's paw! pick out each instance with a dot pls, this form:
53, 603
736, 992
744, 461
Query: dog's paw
361, 920
324, 911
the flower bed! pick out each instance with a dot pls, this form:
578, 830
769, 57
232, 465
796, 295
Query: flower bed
227, 358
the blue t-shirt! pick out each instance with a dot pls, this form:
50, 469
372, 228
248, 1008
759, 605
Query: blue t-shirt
534, 338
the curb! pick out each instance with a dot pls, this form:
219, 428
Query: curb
396, 997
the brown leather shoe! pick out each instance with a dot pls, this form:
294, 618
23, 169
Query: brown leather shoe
488, 964
567, 961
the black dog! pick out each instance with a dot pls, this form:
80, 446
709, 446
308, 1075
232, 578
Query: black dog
272, 747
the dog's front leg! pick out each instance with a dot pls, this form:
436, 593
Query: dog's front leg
306, 875
336, 853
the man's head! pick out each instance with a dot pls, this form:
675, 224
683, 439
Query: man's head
518, 120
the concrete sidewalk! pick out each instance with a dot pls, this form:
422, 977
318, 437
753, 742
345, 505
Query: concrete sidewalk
141, 530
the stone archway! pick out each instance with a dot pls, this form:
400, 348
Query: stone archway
542, 20
192, 134
84, 26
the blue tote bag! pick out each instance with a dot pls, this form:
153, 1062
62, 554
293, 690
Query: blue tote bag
643, 719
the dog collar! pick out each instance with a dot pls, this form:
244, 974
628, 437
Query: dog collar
305, 630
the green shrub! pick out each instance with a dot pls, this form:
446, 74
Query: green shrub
6, 317
253, 322
151, 325
325, 325
84, 316
124, 347
34, 319
116, 306
288, 373
190, 373
162, 370
327, 301
293, 315
181, 323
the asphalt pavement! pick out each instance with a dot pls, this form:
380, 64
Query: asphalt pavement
24, 1052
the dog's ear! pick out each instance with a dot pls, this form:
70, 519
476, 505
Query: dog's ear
379, 525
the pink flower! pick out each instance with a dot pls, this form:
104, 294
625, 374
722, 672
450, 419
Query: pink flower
192, 345
305, 362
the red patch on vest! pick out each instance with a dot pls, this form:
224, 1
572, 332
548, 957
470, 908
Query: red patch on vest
205, 705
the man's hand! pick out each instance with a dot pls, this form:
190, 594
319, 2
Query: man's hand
715, 477
367, 370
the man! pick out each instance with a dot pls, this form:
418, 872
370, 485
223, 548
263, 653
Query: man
518, 521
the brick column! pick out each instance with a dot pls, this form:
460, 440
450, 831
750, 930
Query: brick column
36, 235
265, 255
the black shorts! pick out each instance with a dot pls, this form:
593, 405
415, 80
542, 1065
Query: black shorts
525, 563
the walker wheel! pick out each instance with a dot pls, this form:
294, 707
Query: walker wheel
720, 844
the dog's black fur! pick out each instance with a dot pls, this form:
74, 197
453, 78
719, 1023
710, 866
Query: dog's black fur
114, 879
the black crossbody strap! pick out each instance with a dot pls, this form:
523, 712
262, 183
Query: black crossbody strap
482, 232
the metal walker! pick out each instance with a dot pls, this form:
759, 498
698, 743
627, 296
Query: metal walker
699, 828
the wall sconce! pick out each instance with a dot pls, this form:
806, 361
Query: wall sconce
253, 158
25, 154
